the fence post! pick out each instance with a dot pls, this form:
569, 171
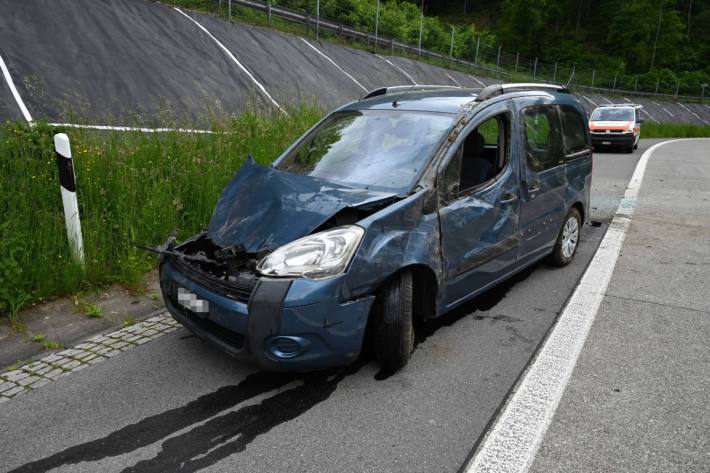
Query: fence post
421, 28
451, 49
229, 7
613, 87
702, 93
517, 58
569, 82
317, 20
636, 83
535, 69
268, 10
498, 61
593, 74
677, 88
377, 23
478, 44
392, 45
67, 182
658, 82
554, 74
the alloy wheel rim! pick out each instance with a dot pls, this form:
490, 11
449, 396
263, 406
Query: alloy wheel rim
570, 235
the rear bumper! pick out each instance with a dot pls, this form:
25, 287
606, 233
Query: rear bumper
313, 334
613, 139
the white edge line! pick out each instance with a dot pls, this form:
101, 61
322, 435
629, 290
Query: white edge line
649, 115
590, 100
474, 78
333, 62
411, 79
15, 93
131, 128
691, 111
453, 80
233, 58
512, 442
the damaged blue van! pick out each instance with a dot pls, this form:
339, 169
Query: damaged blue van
391, 210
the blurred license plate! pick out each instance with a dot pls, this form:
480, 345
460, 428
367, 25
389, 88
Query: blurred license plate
606, 142
190, 301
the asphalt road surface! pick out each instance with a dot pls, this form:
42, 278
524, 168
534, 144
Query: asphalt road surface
177, 404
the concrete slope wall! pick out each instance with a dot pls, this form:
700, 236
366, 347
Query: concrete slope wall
142, 62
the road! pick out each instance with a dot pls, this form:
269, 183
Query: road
177, 404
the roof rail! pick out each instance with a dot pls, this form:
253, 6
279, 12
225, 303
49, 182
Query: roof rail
630, 104
405, 88
500, 89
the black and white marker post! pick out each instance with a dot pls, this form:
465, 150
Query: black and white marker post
67, 183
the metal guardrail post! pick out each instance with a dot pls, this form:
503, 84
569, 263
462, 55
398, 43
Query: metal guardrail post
421, 28
268, 10
554, 74
658, 82
613, 87
317, 20
535, 68
594, 72
517, 58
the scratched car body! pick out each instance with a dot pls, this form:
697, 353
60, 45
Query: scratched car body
392, 210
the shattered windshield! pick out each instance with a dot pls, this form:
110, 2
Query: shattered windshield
613, 115
372, 149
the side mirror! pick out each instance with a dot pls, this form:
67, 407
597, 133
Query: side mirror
453, 192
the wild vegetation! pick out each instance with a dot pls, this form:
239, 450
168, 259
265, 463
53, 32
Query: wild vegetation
131, 187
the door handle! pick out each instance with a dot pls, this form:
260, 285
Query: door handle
508, 198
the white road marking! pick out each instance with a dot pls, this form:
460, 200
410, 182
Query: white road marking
696, 115
607, 100
511, 445
233, 58
132, 128
649, 115
411, 79
627, 99
453, 80
589, 100
15, 93
664, 108
472, 77
333, 63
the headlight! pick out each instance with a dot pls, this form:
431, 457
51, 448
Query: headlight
318, 256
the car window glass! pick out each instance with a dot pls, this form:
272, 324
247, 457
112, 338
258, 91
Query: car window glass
543, 137
575, 129
613, 114
481, 157
382, 150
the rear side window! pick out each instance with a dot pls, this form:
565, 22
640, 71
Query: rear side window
543, 133
575, 130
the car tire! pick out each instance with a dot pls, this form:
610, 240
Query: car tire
567, 239
394, 328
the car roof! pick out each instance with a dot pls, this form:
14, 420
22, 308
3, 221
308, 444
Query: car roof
442, 99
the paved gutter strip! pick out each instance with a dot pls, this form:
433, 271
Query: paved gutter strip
93, 350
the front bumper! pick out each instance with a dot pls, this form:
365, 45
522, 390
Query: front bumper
613, 139
287, 324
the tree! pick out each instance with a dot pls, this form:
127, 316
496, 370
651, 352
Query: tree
521, 23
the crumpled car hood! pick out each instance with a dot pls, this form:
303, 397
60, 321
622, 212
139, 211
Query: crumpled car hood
263, 208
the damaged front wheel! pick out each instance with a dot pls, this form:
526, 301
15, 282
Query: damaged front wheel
394, 330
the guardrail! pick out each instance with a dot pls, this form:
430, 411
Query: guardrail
381, 44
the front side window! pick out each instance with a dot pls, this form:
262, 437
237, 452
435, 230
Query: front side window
371, 149
481, 157
575, 130
543, 135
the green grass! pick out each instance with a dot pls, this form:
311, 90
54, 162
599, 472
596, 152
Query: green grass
94, 311
131, 187
674, 130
